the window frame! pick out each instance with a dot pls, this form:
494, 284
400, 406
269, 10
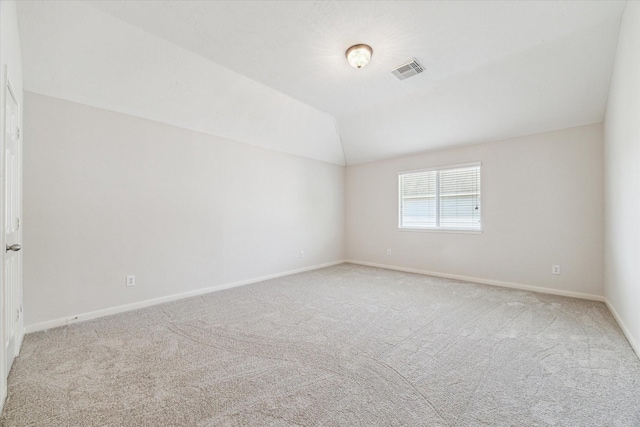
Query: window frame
437, 228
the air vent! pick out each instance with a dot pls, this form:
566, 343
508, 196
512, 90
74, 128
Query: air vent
408, 69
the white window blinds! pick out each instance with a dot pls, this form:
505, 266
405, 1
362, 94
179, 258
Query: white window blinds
446, 198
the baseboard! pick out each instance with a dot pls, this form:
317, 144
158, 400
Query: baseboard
21, 334
147, 303
632, 342
150, 302
539, 289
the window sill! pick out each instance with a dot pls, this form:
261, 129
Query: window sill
441, 230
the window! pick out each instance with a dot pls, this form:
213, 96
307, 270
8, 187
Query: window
446, 198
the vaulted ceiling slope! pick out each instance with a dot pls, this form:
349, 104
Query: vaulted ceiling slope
273, 73
75, 52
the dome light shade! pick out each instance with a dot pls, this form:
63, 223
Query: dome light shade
359, 55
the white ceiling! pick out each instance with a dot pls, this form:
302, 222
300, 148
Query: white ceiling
493, 69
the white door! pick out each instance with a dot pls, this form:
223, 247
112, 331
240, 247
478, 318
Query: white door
12, 201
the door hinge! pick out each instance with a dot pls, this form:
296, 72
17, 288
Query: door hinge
17, 315
18, 133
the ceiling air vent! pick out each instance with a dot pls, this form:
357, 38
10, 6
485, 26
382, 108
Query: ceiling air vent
408, 69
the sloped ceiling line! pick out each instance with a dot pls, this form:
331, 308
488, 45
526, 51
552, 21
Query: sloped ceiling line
273, 73
335, 123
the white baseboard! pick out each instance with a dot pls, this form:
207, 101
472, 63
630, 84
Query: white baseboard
632, 341
634, 344
484, 281
147, 303
21, 334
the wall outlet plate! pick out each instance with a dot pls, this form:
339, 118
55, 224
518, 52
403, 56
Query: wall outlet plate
555, 269
131, 281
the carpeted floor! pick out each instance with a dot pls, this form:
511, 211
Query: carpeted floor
345, 345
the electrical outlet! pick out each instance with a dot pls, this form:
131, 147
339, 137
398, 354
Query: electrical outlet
389, 252
301, 254
555, 269
131, 281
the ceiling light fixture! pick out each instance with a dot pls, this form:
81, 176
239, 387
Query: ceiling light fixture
359, 55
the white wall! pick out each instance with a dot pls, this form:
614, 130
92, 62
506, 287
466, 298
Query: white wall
622, 179
10, 57
107, 195
541, 205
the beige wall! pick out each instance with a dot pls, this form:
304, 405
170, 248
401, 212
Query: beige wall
541, 205
622, 179
107, 195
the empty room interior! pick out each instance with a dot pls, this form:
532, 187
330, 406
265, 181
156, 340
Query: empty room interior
320, 213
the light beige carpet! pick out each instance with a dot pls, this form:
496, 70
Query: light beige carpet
346, 345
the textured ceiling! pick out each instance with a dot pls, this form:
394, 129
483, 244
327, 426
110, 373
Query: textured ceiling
493, 69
